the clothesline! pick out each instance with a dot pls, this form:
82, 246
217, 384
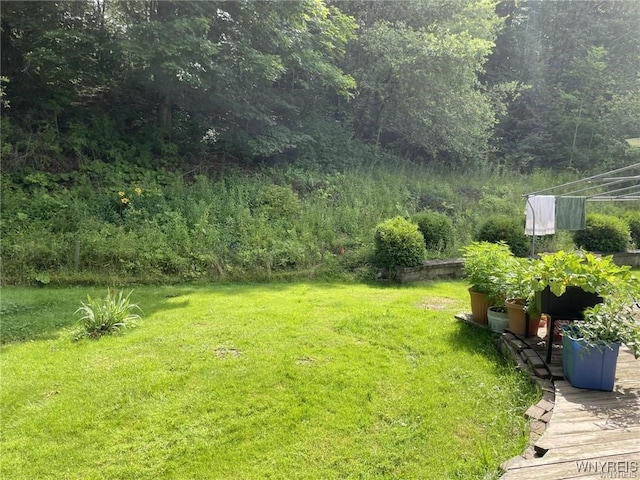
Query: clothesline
547, 213
566, 211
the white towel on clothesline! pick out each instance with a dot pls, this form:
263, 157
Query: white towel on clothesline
540, 213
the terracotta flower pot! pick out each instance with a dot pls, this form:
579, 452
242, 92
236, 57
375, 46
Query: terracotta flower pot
479, 306
517, 318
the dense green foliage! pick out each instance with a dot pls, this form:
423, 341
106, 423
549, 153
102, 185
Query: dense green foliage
575, 66
603, 233
321, 83
134, 224
436, 228
487, 266
198, 140
507, 229
240, 381
398, 243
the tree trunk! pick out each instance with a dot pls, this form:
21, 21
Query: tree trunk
164, 114
163, 13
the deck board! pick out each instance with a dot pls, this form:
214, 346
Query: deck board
592, 434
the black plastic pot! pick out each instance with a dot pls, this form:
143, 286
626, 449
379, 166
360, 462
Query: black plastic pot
568, 306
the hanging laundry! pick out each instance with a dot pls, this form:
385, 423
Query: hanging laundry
540, 213
571, 213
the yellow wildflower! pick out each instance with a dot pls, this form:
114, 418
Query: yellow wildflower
124, 200
138, 190
121, 194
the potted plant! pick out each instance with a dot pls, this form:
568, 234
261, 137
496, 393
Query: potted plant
590, 347
567, 283
557, 272
522, 306
498, 318
485, 267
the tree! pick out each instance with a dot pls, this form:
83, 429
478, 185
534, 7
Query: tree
575, 60
237, 74
416, 64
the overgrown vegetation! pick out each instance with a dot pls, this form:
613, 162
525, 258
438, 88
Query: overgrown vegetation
312, 83
105, 225
238, 381
153, 141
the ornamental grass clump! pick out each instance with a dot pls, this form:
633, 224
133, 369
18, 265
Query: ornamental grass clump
106, 316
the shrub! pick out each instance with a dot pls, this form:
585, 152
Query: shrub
508, 230
603, 233
278, 202
633, 219
106, 316
398, 242
436, 228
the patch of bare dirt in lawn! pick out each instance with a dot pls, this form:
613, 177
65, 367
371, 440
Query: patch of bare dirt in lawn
437, 304
223, 352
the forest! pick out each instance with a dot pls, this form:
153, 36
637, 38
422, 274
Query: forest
224, 138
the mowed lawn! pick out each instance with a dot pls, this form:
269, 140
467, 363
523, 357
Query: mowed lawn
278, 381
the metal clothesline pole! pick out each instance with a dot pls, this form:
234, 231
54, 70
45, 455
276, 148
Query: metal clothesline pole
593, 187
533, 228
609, 180
632, 187
593, 177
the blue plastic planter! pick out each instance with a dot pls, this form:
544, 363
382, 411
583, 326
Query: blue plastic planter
587, 366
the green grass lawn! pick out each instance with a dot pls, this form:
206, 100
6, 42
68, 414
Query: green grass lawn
281, 381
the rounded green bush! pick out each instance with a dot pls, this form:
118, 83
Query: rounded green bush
278, 202
603, 233
633, 219
436, 228
506, 229
398, 242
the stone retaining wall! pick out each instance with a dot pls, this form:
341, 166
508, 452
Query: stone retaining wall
454, 268
432, 270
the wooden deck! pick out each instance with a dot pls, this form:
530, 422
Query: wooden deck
592, 434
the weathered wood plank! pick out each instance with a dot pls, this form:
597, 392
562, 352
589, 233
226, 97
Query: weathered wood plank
609, 406
614, 413
585, 438
588, 467
562, 428
591, 434
629, 402
605, 447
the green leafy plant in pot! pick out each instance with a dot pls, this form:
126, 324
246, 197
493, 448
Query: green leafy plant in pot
485, 267
520, 298
567, 284
560, 270
590, 347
